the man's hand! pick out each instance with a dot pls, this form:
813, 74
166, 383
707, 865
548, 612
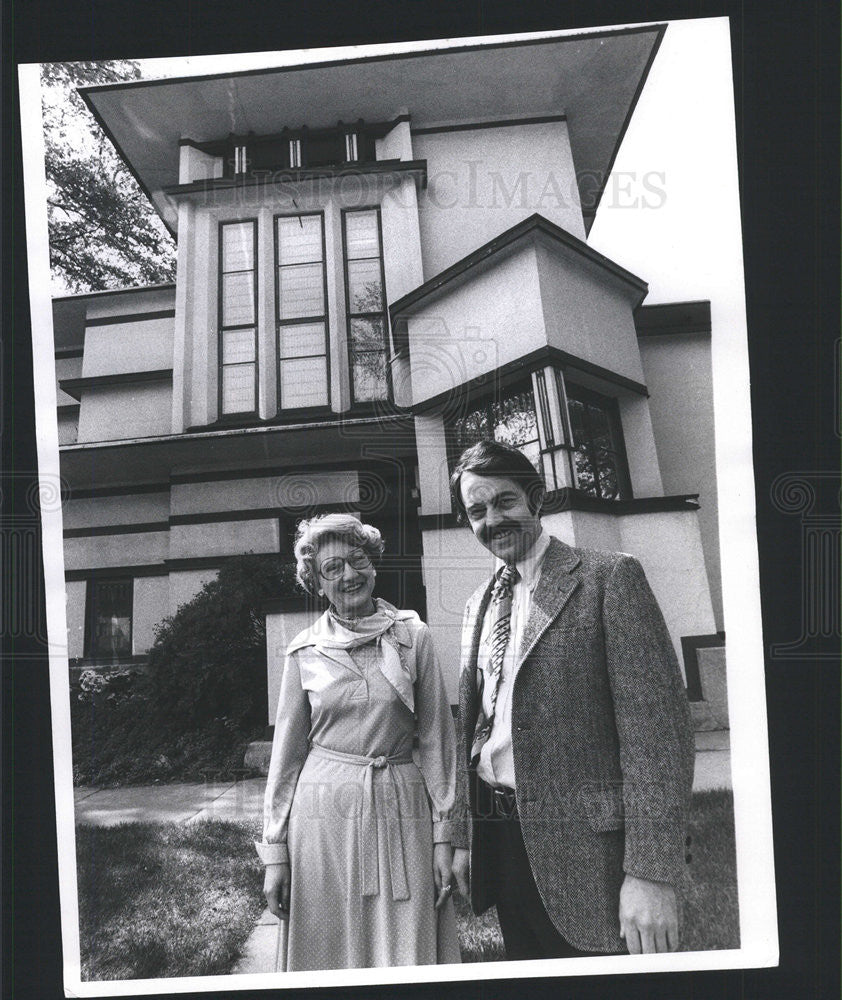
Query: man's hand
648, 916
461, 870
276, 889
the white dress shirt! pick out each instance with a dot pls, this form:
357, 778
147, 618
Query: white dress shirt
496, 764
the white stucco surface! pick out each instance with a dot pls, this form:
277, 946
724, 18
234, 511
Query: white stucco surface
140, 409
478, 186
185, 584
679, 376
281, 628
151, 603
302, 489
129, 509
75, 593
137, 346
227, 538
100, 551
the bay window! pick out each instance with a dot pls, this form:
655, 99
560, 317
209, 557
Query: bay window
595, 445
510, 418
301, 299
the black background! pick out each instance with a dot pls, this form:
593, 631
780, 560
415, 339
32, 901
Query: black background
787, 101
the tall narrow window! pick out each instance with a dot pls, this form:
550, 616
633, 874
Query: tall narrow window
351, 149
109, 631
302, 312
238, 312
295, 152
364, 284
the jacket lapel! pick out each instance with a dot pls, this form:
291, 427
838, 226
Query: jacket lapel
557, 582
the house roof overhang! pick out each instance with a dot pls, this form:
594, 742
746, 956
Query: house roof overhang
536, 227
594, 78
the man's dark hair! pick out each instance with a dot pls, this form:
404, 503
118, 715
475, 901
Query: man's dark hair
490, 458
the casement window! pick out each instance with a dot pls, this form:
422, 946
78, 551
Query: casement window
301, 297
237, 317
351, 147
597, 453
108, 631
366, 305
510, 418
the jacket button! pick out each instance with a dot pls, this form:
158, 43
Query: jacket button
688, 858
688, 841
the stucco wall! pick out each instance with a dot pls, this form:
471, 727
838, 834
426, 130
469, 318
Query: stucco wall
131, 509
587, 312
185, 584
75, 593
479, 186
225, 538
151, 603
281, 629
141, 409
100, 551
68, 427
679, 377
137, 346
454, 564
293, 490
472, 330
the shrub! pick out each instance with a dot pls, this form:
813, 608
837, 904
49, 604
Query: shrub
200, 699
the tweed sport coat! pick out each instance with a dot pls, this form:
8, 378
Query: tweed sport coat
601, 737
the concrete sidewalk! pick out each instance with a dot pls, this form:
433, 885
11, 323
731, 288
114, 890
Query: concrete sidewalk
243, 800
186, 803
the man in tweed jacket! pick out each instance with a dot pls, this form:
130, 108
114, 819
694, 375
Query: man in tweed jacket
578, 798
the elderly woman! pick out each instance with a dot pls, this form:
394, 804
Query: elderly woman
356, 836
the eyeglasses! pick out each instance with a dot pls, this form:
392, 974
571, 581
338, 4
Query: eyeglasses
333, 568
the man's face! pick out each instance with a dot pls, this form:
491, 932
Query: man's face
499, 515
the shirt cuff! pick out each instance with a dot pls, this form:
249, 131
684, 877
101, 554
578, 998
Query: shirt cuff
272, 854
442, 831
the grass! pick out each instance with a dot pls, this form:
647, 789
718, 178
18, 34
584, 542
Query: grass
161, 900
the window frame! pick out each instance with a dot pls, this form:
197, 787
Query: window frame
221, 329
278, 322
90, 608
485, 399
384, 313
611, 407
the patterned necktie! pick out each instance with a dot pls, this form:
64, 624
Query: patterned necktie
500, 628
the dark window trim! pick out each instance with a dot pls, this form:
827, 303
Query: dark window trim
279, 322
72, 386
92, 581
513, 370
220, 328
130, 318
69, 352
138, 528
690, 646
384, 314
499, 123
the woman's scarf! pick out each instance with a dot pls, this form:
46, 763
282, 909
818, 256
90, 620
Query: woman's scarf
386, 627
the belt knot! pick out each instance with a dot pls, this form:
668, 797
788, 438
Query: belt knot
379, 762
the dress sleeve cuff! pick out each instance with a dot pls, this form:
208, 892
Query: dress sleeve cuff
272, 854
442, 831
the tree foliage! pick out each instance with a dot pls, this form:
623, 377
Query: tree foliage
202, 697
103, 231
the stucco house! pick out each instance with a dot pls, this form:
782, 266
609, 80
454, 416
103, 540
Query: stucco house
381, 260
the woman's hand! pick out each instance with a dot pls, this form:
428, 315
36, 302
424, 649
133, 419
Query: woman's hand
276, 889
442, 873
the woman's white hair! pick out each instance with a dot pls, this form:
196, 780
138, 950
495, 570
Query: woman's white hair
312, 533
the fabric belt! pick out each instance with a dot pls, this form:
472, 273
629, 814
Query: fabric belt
369, 858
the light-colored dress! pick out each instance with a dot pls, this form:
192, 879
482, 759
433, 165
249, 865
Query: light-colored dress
354, 803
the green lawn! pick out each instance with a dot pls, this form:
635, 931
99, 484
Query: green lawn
159, 900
